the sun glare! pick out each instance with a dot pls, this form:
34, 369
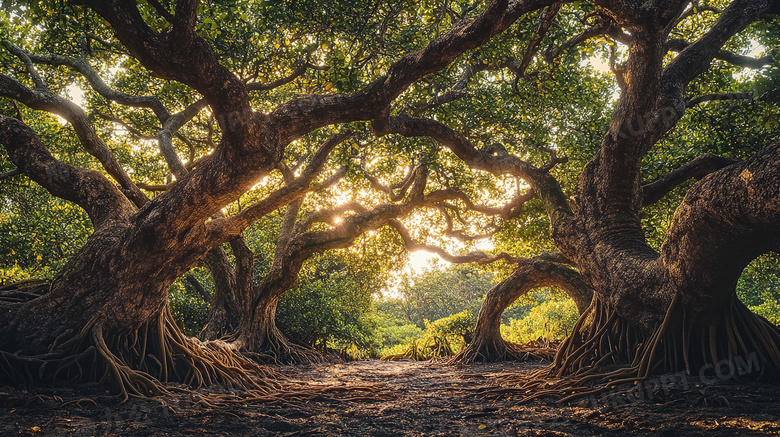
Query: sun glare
599, 64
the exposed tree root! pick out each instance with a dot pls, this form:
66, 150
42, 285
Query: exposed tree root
435, 347
733, 345
494, 350
139, 363
278, 350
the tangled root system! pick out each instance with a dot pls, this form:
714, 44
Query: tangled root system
139, 363
604, 351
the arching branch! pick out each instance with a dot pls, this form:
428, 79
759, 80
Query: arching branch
311, 112
696, 169
603, 25
165, 137
10, 173
302, 68
546, 20
394, 192
102, 201
179, 54
221, 229
695, 58
96, 82
43, 99
477, 257
493, 159
716, 97
458, 90
678, 45
530, 273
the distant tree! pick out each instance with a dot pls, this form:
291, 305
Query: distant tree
438, 293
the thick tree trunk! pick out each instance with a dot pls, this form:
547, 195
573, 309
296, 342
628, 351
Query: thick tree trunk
73, 332
678, 310
258, 335
260, 338
224, 315
487, 344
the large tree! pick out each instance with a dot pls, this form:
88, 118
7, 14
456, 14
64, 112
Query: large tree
674, 307
105, 316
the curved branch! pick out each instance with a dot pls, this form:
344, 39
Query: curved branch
477, 257
28, 65
695, 58
458, 90
89, 189
530, 273
258, 86
511, 210
42, 99
179, 54
328, 216
10, 173
96, 82
714, 97
697, 169
402, 186
221, 229
603, 25
546, 19
308, 113
165, 137
493, 159
732, 58
725, 221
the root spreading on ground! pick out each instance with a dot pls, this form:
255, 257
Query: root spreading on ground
139, 363
605, 352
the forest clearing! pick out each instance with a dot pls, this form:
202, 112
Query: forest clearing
384, 217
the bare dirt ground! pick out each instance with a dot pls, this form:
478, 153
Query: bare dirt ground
405, 399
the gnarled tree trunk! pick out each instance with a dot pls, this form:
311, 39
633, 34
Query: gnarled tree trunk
677, 309
72, 331
725, 221
232, 288
487, 344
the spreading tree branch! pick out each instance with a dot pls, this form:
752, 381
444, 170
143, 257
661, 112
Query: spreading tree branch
96, 82
224, 228
713, 97
179, 54
302, 68
311, 112
546, 19
43, 99
10, 173
695, 58
696, 169
493, 159
401, 187
678, 45
603, 25
102, 201
477, 257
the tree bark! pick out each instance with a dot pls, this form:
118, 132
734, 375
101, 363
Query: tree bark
487, 344
224, 314
125, 268
72, 332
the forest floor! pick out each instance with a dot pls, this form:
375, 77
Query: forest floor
402, 399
